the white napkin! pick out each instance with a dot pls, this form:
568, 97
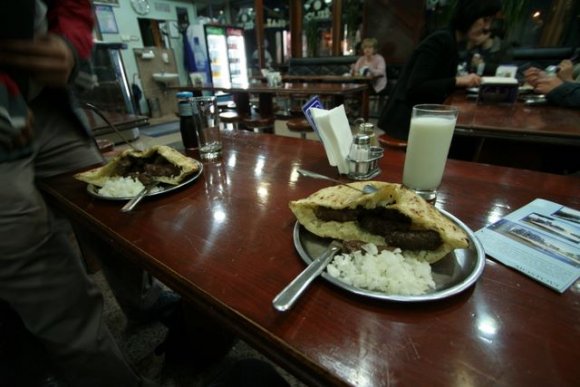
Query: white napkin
335, 134
498, 81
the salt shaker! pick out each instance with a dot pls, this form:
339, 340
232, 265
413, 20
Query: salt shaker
360, 148
368, 129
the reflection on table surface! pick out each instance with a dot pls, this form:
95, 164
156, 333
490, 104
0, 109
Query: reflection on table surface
225, 243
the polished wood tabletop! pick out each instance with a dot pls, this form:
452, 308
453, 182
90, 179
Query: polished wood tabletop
544, 123
225, 243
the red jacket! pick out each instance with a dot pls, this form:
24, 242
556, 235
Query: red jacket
73, 19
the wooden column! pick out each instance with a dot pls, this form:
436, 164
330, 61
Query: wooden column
259, 6
296, 28
336, 27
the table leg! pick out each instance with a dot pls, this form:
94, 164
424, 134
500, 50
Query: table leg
243, 104
266, 105
365, 104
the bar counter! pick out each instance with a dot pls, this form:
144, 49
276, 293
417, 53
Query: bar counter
225, 243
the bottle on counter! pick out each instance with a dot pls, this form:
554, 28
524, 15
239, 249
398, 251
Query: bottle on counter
186, 122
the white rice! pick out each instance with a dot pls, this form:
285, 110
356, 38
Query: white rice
388, 271
121, 187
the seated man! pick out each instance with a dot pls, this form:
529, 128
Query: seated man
560, 89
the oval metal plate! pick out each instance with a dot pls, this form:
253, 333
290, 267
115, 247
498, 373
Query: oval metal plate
165, 188
452, 274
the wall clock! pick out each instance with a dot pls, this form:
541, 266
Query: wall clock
142, 7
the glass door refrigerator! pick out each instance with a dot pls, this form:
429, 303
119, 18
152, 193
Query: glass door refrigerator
227, 55
237, 56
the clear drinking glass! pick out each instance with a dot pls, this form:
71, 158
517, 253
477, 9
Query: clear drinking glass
206, 118
430, 136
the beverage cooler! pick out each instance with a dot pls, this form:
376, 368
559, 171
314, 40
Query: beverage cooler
227, 56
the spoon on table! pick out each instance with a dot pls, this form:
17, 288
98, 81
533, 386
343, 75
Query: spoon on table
133, 202
367, 189
286, 298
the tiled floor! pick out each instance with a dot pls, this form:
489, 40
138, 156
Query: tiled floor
139, 343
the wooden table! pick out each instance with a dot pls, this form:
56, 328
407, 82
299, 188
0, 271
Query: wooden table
265, 93
534, 123
225, 243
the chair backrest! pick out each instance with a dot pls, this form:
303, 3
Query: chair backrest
329, 65
543, 56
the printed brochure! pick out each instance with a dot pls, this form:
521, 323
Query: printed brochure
541, 239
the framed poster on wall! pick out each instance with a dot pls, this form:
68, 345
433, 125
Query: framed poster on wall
106, 19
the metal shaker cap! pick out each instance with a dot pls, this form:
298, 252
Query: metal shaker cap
361, 139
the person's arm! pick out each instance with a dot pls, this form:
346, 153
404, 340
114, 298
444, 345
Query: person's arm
566, 94
52, 59
356, 66
379, 67
73, 20
565, 71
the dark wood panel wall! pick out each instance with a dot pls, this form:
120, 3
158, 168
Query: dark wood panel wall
397, 25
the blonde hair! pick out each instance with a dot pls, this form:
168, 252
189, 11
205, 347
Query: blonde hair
369, 42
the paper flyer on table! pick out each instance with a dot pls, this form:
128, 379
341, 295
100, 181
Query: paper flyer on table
541, 239
313, 102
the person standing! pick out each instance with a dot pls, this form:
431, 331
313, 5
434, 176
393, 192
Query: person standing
430, 75
41, 135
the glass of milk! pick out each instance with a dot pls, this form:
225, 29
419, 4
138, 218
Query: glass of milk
430, 136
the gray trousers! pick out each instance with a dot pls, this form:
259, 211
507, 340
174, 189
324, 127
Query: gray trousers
41, 275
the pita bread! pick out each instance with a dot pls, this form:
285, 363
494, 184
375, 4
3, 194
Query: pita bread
185, 165
391, 196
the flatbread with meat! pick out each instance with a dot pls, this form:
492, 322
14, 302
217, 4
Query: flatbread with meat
393, 216
158, 164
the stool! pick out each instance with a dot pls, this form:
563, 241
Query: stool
299, 125
259, 124
230, 118
387, 141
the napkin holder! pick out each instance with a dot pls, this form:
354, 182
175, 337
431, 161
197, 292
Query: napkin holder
498, 90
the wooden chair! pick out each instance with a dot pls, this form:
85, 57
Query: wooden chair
259, 124
387, 141
299, 125
230, 118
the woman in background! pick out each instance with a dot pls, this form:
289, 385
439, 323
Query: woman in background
430, 75
372, 64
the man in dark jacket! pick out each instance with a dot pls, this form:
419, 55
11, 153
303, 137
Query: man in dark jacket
430, 74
